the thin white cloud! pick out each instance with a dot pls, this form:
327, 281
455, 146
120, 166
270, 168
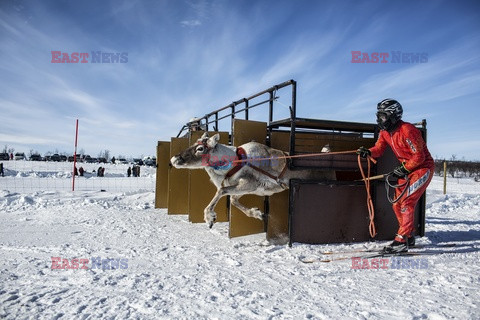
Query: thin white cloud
191, 23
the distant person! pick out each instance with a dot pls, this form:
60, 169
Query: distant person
103, 172
137, 171
75, 171
81, 171
417, 167
99, 172
11, 155
129, 172
1, 169
194, 124
113, 160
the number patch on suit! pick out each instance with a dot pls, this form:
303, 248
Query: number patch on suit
412, 146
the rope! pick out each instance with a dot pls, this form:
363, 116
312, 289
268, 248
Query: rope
371, 209
295, 156
392, 200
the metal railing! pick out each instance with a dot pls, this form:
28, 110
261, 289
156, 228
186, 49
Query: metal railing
213, 118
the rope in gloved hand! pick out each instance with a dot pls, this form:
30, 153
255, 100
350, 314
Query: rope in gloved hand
389, 185
367, 179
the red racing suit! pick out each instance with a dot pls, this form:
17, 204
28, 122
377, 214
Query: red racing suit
410, 149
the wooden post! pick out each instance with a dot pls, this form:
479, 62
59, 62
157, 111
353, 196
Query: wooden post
444, 177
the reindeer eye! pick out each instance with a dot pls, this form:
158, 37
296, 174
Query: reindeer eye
200, 148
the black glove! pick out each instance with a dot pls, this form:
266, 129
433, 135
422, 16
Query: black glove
400, 171
363, 152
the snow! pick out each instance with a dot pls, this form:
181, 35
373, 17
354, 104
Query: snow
180, 270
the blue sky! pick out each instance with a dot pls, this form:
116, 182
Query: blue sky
187, 58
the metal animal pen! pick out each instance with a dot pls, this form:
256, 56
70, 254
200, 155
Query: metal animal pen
311, 211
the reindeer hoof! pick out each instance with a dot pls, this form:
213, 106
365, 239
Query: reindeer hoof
210, 220
255, 213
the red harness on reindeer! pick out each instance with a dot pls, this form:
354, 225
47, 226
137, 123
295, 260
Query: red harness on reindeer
236, 165
242, 155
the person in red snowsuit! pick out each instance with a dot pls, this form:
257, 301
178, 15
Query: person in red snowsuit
417, 164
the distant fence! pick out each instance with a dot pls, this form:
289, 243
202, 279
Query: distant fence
458, 168
32, 176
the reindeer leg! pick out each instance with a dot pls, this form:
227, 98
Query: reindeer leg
209, 214
250, 212
244, 187
236, 191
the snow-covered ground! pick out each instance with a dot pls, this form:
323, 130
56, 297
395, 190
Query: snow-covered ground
167, 268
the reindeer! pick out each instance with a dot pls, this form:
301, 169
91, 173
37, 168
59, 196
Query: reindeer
253, 174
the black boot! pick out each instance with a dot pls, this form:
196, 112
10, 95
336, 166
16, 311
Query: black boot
397, 246
411, 241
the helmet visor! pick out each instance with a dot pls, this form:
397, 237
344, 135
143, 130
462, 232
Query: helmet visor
382, 117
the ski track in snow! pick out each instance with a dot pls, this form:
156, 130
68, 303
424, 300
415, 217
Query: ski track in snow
180, 270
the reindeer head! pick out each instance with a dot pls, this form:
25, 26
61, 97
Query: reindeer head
194, 156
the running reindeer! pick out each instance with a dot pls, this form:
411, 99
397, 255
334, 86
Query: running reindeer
252, 168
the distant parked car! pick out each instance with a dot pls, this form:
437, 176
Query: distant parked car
71, 158
138, 161
151, 162
55, 157
122, 161
4, 156
35, 157
102, 160
63, 158
19, 156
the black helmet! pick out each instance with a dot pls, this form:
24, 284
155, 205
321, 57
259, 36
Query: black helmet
389, 112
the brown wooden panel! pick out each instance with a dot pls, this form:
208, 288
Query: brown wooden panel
178, 180
202, 190
278, 204
240, 225
334, 161
314, 144
161, 182
320, 213
280, 140
302, 146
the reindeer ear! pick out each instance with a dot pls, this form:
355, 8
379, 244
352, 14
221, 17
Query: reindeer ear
212, 142
203, 138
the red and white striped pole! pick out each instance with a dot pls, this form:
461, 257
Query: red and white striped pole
75, 156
